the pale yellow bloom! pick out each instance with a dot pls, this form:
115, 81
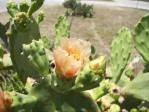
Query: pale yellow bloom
71, 56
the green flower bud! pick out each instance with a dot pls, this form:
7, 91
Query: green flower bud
98, 65
114, 108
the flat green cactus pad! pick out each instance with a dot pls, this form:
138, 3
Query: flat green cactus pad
120, 53
141, 37
138, 88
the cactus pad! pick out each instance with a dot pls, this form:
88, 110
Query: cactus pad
120, 53
141, 37
35, 5
12, 8
138, 88
61, 29
24, 6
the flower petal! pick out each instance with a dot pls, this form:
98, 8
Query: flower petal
66, 66
70, 56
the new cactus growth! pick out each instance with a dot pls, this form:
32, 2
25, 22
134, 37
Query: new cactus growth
87, 79
40, 17
120, 53
36, 56
61, 29
35, 5
12, 8
24, 6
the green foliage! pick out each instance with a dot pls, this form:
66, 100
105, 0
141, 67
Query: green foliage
10, 81
78, 9
120, 53
70, 4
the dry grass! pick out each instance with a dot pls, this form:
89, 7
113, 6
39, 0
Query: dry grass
99, 30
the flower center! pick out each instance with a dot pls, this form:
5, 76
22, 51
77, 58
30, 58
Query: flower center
74, 55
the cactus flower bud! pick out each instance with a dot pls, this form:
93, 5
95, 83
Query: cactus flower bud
98, 65
5, 101
114, 108
70, 56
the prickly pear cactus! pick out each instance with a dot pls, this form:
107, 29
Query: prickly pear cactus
120, 53
138, 87
35, 5
20, 34
12, 8
86, 79
141, 37
61, 29
51, 101
24, 6
72, 83
36, 56
21, 102
101, 90
23, 28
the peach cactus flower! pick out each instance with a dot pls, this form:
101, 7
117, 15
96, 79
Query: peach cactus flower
70, 56
5, 101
